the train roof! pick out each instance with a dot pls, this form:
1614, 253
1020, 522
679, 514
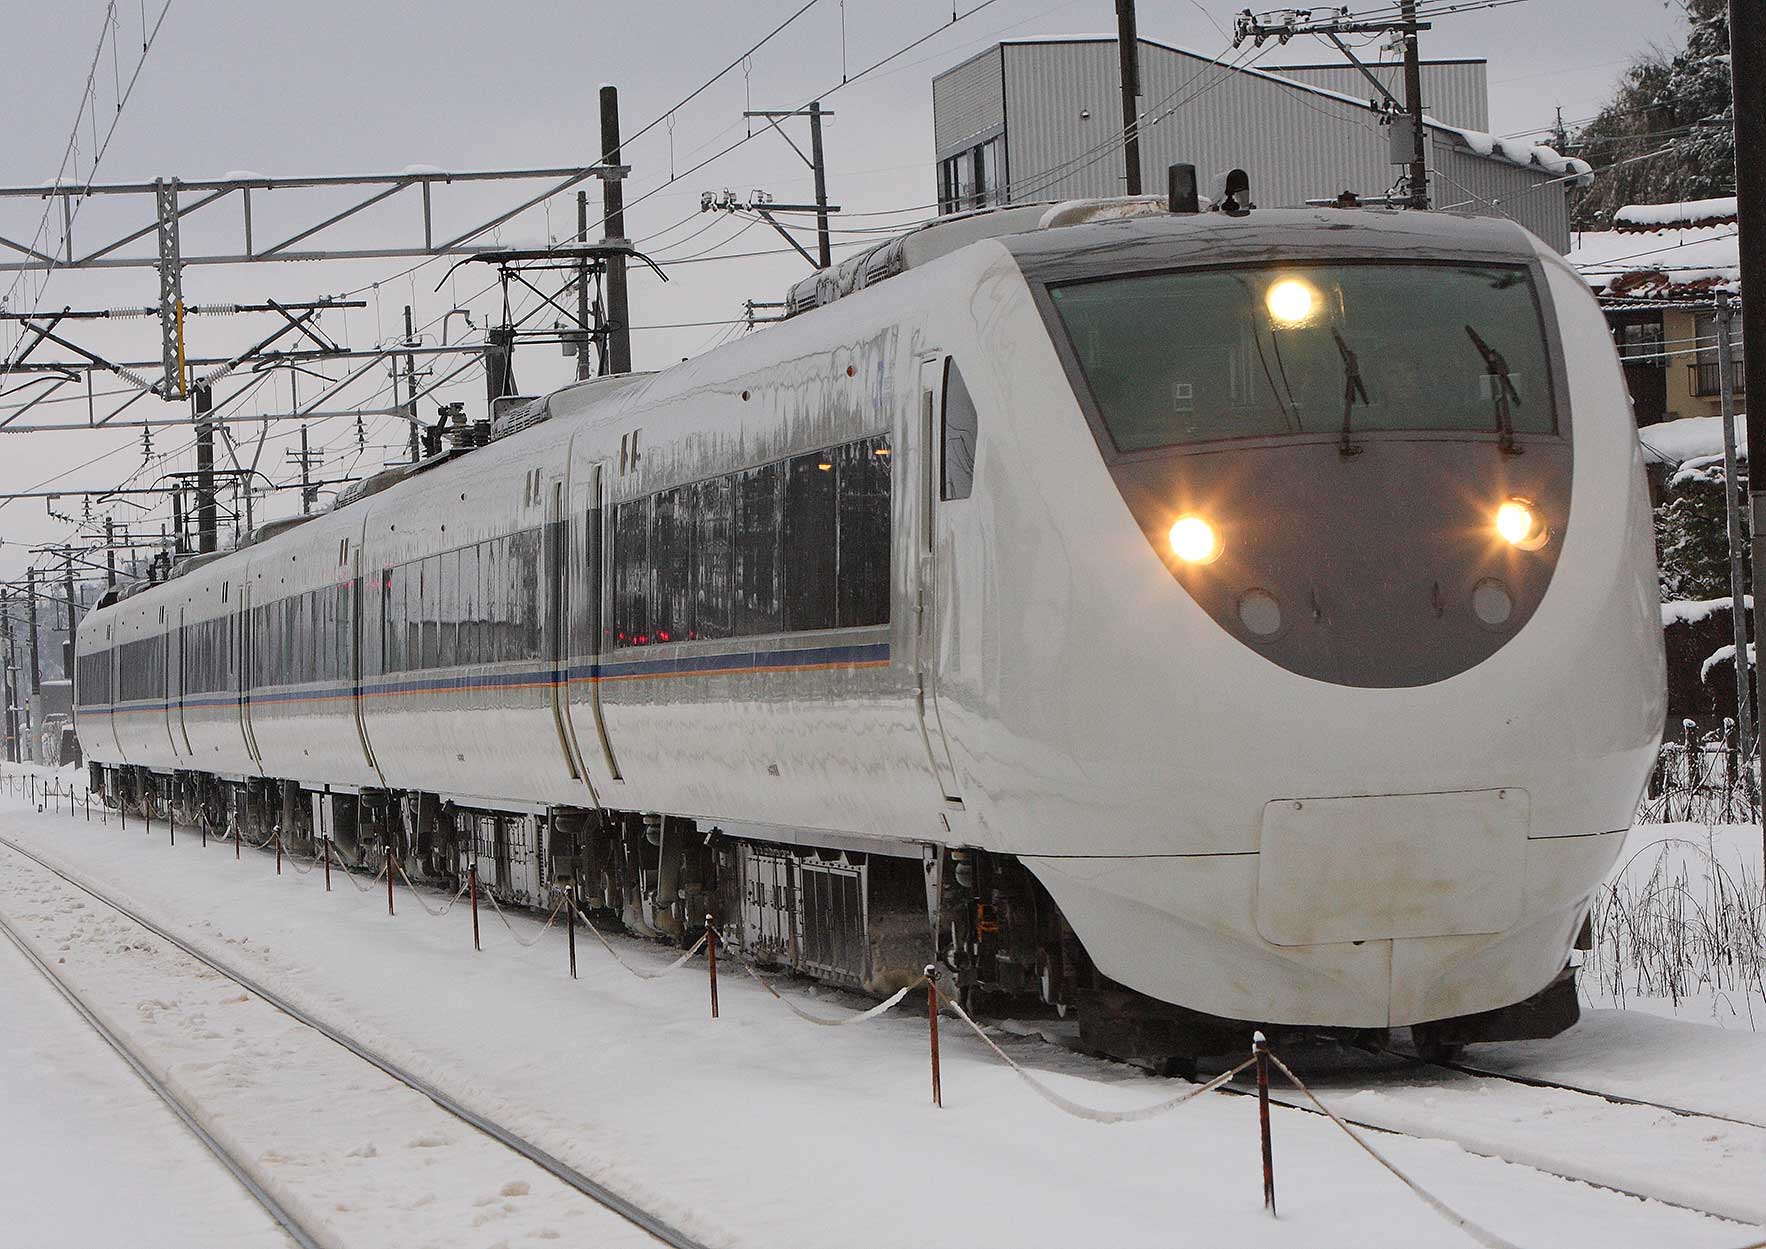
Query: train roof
1036, 231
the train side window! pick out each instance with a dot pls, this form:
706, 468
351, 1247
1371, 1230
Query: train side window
961, 430
466, 631
808, 546
863, 469
631, 573
759, 608
671, 554
449, 588
392, 621
711, 559
525, 593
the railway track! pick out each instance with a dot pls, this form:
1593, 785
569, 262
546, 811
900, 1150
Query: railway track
1618, 1099
658, 1228
278, 1213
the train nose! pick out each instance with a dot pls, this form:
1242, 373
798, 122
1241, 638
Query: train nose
1402, 565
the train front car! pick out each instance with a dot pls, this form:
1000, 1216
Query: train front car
1329, 663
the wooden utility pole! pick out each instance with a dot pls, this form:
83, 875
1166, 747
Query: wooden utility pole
1128, 49
1747, 77
110, 554
67, 646
617, 358
823, 248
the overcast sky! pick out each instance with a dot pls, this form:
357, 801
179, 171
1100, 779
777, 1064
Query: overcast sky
371, 86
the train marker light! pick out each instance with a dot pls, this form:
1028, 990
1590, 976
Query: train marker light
1194, 540
1292, 302
1521, 526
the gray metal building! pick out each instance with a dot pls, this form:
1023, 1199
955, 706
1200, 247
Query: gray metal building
1039, 119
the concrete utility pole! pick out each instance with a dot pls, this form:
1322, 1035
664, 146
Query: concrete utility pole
617, 358
1129, 53
202, 401
31, 615
9, 679
1734, 501
1747, 78
110, 554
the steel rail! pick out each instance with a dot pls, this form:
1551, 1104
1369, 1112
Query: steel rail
283, 1219
546, 1161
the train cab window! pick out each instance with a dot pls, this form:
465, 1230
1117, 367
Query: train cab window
961, 429
631, 573
863, 481
713, 519
808, 544
758, 496
671, 554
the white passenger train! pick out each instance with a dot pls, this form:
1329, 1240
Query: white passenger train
1197, 619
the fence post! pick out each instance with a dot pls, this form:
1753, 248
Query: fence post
389, 866
570, 924
472, 884
932, 1029
325, 847
1260, 1048
236, 824
277, 833
711, 960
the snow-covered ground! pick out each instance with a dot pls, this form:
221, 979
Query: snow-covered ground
88, 1154
758, 1129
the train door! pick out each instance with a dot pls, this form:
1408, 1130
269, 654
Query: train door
183, 733
926, 604
358, 602
247, 665
555, 559
587, 571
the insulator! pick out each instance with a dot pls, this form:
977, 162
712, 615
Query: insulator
117, 313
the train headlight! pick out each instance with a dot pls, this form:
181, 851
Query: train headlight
1194, 540
1521, 526
1292, 302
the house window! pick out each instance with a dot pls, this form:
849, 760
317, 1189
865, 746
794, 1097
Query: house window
1705, 369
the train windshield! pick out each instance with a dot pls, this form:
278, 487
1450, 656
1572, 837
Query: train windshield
1204, 354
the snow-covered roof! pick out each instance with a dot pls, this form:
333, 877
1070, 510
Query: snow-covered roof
1527, 155
1649, 218
1690, 438
1667, 263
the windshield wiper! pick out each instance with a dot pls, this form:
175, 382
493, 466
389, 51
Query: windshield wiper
1506, 393
1351, 388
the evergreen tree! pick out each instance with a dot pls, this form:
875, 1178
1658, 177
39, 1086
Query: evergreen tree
1679, 102
1692, 537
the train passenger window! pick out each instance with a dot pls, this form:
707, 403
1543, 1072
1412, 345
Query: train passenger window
961, 430
525, 593
808, 544
631, 573
449, 609
467, 597
711, 559
671, 555
430, 579
392, 622
863, 469
759, 605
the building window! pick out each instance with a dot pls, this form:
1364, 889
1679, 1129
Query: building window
974, 178
1704, 367
1640, 342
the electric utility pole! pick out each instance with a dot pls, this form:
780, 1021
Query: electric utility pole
9, 679
67, 645
764, 206
202, 401
1732, 509
1409, 146
110, 554
1747, 78
31, 616
584, 370
1129, 53
410, 384
617, 358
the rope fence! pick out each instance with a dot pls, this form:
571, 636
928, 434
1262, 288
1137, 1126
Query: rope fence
1262, 1058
